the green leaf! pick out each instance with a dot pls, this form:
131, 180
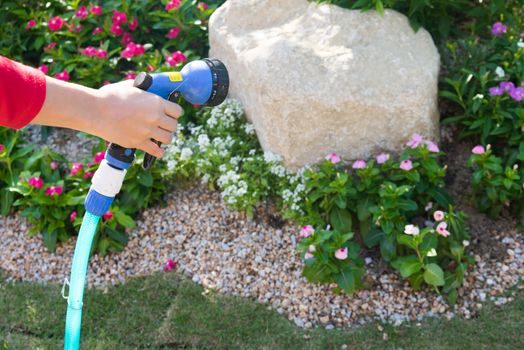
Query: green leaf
441, 196
406, 240
388, 248
407, 205
6, 201
452, 296
416, 280
373, 237
346, 280
103, 244
50, 240
409, 266
124, 220
434, 275
363, 209
341, 220
117, 235
145, 179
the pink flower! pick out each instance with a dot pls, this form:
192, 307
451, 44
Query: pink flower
359, 164
77, 28
36, 182
127, 38
507, 86
308, 255
72, 217
495, 91
173, 32
75, 168
411, 230
406, 165
97, 30
306, 231
432, 147
43, 68
106, 82
498, 29
202, 6
382, 158
333, 158
50, 46
150, 68
517, 94
88, 175
108, 215
170, 265
442, 229
116, 29
119, 17
438, 215
53, 165
101, 53
478, 150
96, 10
89, 51
173, 4
2, 148
139, 50
81, 12
30, 24
55, 23
99, 157
53, 190
175, 58
342, 253
415, 141
62, 76
130, 75
133, 24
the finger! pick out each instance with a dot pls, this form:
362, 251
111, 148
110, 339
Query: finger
162, 135
167, 123
153, 149
172, 109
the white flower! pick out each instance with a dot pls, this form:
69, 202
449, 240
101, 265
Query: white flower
411, 230
465, 243
186, 153
500, 72
432, 252
249, 128
270, 157
203, 141
521, 44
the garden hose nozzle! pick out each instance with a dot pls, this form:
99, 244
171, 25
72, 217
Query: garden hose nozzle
202, 82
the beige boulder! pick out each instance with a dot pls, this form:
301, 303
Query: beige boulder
315, 79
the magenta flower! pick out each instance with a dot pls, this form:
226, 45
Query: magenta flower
53, 190
442, 229
133, 24
382, 158
43, 68
169, 265
498, 29
342, 253
306, 231
150, 68
333, 158
108, 215
507, 85
35, 182
72, 217
101, 53
53, 165
478, 150
99, 157
50, 46
76, 28
116, 29
175, 58
55, 23
81, 12
173, 4
106, 82
415, 141
517, 94
89, 51
88, 175
97, 30
96, 10
2, 148
406, 165
30, 24
173, 33
127, 38
119, 17
130, 75
438, 215
62, 76
359, 164
496, 91
75, 168
202, 6
432, 147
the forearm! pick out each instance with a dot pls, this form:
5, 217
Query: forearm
70, 106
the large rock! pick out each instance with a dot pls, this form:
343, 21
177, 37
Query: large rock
315, 79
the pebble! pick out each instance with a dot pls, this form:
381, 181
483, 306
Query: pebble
221, 249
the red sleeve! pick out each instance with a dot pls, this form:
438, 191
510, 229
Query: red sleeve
22, 93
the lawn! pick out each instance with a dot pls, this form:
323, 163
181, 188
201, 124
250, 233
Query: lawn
167, 311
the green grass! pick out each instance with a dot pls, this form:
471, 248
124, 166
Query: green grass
166, 311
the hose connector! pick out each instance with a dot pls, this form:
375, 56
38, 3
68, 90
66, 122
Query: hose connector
105, 185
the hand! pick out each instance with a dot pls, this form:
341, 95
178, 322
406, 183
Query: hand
131, 117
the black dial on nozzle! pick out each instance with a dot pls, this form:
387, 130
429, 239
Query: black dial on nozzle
220, 81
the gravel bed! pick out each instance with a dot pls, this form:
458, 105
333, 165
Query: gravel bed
223, 250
